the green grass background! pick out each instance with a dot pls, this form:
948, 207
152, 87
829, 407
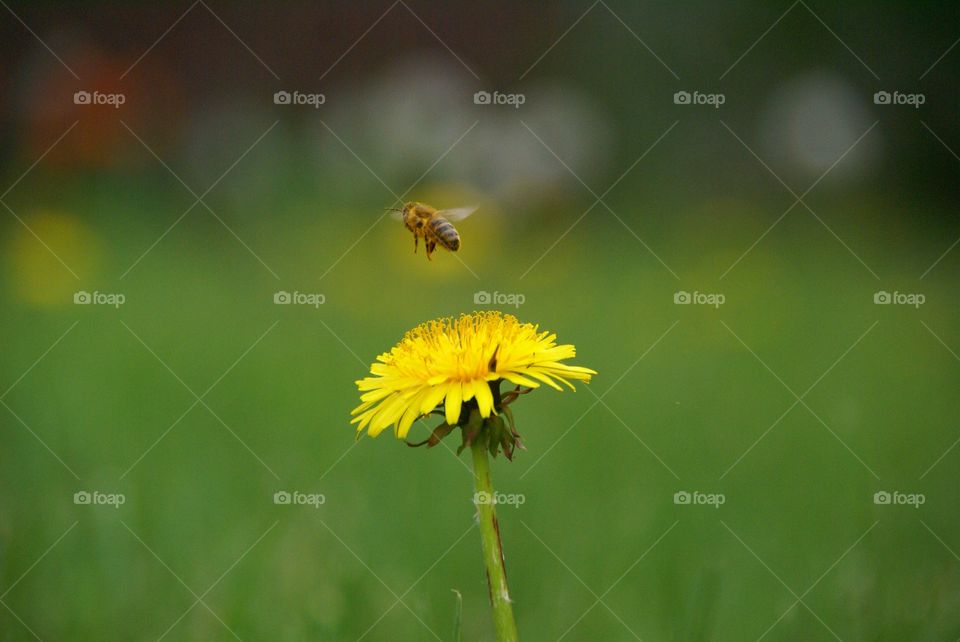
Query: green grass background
598, 478
596, 498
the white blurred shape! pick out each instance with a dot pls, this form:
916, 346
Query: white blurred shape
811, 121
401, 121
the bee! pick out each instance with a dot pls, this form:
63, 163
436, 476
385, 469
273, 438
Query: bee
433, 225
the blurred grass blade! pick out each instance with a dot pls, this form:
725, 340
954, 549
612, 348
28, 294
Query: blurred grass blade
457, 617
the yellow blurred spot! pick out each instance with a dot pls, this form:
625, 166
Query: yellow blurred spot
477, 233
38, 277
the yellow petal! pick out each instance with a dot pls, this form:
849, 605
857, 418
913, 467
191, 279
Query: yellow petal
432, 398
452, 406
389, 412
481, 391
544, 378
413, 411
520, 380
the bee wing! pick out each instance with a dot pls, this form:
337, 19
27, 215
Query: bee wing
457, 213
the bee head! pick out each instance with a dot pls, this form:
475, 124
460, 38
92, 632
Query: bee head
400, 213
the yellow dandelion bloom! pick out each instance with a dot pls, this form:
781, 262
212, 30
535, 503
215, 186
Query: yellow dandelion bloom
453, 362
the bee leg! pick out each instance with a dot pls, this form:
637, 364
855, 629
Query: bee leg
416, 242
431, 245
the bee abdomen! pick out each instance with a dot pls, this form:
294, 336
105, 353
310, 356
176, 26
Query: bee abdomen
446, 233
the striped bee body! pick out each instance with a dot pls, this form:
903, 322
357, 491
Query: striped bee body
445, 233
433, 226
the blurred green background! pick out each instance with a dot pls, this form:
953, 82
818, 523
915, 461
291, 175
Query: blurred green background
199, 398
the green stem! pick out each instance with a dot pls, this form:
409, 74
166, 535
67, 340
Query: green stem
503, 623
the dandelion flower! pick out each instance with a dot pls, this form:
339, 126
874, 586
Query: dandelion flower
452, 365
454, 368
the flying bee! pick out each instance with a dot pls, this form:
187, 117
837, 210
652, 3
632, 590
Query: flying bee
433, 225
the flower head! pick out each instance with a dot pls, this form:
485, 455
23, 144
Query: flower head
459, 363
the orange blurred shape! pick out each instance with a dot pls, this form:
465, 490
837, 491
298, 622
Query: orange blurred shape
151, 106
